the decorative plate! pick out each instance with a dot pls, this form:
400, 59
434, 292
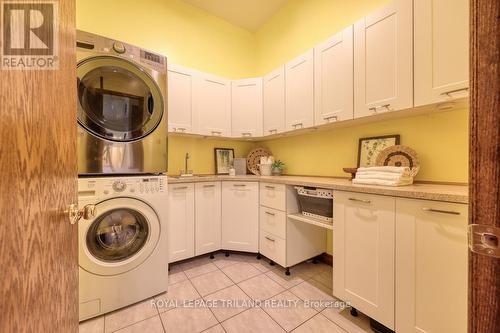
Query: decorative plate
399, 156
253, 159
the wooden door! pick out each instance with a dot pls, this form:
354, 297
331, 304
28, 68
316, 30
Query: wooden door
213, 105
484, 201
240, 216
363, 253
246, 110
180, 99
180, 221
431, 266
39, 247
383, 60
333, 78
274, 101
299, 92
441, 50
207, 217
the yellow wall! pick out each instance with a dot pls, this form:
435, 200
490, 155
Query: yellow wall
186, 34
201, 151
440, 139
301, 24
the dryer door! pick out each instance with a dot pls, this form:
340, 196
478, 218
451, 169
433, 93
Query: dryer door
120, 238
117, 99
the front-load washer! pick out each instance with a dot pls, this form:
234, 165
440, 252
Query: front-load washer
123, 255
122, 108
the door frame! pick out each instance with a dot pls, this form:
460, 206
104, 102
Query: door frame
484, 167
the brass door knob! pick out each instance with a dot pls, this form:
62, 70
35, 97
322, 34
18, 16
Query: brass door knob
75, 214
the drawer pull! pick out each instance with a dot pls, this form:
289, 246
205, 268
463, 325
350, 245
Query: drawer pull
270, 187
239, 185
210, 185
273, 131
360, 200
181, 188
270, 239
432, 210
448, 93
327, 118
270, 214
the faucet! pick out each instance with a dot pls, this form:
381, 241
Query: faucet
186, 172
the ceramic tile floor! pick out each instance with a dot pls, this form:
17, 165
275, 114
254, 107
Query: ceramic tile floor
258, 288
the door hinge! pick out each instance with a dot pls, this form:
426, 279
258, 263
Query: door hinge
484, 239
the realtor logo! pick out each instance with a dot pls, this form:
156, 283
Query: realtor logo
29, 35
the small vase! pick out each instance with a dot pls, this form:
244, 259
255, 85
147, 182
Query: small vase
277, 171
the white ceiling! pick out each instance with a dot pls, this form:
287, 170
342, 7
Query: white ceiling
248, 14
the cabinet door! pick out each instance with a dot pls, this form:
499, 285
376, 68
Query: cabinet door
363, 253
431, 267
274, 101
441, 50
213, 105
180, 221
383, 60
299, 92
180, 99
246, 111
240, 216
333, 78
207, 217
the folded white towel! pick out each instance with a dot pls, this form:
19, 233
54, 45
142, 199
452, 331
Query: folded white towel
382, 182
382, 176
392, 169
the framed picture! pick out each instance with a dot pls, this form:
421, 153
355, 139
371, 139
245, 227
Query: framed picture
223, 160
369, 148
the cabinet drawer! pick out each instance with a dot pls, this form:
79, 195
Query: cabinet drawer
273, 195
273, 221
272, 247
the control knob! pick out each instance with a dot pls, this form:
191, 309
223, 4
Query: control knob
119, 186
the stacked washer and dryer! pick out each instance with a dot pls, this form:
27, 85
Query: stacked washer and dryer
122, 165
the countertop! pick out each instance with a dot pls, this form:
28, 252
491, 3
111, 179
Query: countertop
436, 192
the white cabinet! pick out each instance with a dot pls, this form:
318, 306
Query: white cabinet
431, 266
207, 217
240, 216
213, 105
299, 92
363, 253
441, 50
274, 101
247, 108
180, 221
333, 78
383, 60
181, 81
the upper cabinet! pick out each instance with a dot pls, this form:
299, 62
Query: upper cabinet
333, 78
441, 50
213, 105
180, 99
299, 92
274, 101
247, 108
383, 60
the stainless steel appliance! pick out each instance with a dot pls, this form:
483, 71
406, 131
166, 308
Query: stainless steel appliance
122, 116
316, 202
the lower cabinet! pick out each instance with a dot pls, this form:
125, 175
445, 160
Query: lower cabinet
181, 221
431, 266
240, 216
207, 217
363, 253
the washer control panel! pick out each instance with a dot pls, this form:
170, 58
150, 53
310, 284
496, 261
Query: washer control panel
123, 186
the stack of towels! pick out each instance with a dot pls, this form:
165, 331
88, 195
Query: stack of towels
384, 175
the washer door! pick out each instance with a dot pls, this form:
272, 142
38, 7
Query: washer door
120, 238
117, 99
